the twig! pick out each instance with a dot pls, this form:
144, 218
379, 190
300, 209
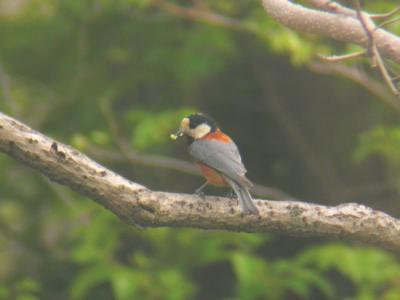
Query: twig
388, 22
368, 27
339, 58
386, 15
395, 78
196, 13
373, 50
385, 73
373, 86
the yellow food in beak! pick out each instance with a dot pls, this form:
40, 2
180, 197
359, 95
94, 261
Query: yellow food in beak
180, 132
175, 136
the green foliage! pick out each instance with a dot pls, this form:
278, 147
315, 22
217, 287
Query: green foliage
153, 129
381, 140
370, 271
197, 58
24, 289
288, 41
259, 279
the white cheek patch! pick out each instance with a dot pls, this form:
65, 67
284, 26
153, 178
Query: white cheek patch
200, 131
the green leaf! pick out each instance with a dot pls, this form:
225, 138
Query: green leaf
124, 283
28, 285
381, 140
153, 129
88, 279
250, 272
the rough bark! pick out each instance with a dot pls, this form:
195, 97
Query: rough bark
136, 204
336, 26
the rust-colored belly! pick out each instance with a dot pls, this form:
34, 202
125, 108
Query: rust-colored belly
211, 175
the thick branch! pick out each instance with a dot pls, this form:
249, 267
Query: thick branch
136, 204
336, 26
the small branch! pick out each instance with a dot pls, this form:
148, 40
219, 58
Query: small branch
386, 15
367, 25
388, 22
377, 60
395, 78
136, 204
384, 72
339, 58
373, 86
198, 14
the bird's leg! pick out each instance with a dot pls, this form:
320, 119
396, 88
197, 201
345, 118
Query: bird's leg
200, 192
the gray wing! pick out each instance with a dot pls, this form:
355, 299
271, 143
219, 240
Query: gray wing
223, 157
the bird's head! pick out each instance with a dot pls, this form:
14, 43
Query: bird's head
195, 126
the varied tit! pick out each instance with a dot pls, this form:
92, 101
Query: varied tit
218, 158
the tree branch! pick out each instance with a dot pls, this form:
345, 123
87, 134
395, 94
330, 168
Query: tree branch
373, 51
193, 13
336, 26
135, 204
358, 76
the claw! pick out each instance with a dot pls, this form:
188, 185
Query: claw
201, 195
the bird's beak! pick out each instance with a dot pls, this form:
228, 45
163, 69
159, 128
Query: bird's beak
175, 136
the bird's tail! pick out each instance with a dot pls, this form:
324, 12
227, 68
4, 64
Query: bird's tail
246, 202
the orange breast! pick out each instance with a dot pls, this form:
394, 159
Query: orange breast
211, 175
217, 135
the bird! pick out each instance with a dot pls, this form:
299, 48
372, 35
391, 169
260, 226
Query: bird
217, 157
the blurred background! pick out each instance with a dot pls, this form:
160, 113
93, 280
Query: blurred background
113, 78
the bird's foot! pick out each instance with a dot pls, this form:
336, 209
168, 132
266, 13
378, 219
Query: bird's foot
200, 194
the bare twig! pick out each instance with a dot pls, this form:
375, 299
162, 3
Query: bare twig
136, 204
388, 22
373, 86
386, 15
385, 74
199, 14
338, 58
368, 27
377, 60
395, 78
